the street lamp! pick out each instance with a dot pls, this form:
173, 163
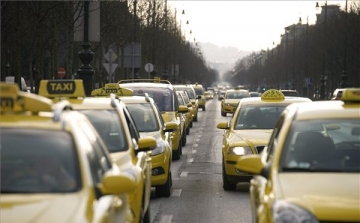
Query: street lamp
85, 71
286, 55
344, 76
322, 78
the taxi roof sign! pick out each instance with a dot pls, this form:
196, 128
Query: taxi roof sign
14, 100
351, 95
62, 88
272, 95
112, 88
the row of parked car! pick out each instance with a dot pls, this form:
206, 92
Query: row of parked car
91, 158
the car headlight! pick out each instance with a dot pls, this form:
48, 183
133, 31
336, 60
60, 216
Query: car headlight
284, 212
240, 150
159, 148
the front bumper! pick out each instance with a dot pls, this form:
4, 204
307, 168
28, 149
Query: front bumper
228, 109
233, 174
160, 168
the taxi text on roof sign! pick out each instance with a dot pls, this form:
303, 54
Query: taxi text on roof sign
12, 99
112, 88
62, 88
272, 95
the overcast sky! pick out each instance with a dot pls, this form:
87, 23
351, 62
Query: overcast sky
246, 25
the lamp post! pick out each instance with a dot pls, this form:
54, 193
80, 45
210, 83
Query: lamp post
286, 62
322, 78
85, 71
344, 76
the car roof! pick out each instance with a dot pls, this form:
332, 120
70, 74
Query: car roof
146, 84
325, 110
287, 100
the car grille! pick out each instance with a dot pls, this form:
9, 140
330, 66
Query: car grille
259, 148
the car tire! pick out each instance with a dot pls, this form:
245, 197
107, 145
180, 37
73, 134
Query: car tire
191, 124
195, 118
188, 130
227, 186
177, 153
203, 108
164, 190
223, 114
146, 218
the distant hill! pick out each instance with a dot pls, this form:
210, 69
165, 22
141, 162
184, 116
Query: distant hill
221, 58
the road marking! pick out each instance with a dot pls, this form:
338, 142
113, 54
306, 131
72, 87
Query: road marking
166, 219
199, 136
183, 174
197, 139
176, 193
194, 151
190, 160
195, 145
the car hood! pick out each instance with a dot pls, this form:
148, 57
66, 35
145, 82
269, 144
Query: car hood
155, 134
123, 159
330, 196
232, 101
169, 116
255, 137
45, 208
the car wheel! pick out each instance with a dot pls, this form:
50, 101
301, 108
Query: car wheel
146, 218
226, 184
203, 108
191, 124
176, 153
223, 114
195, 118
164, 190
188, 130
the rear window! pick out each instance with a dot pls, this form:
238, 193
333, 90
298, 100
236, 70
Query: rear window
199, 91
163, 97
290, 93
38, 161
108, 124
144, 116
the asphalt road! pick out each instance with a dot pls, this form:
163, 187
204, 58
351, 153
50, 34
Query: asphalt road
197, 194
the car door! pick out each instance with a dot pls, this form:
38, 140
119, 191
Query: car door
143, 158
110, 207
259, 183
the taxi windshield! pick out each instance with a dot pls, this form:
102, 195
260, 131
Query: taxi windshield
180, 100
237, 95
144, 116
163, 97
260, 116
323, 146
38, 161
107, 123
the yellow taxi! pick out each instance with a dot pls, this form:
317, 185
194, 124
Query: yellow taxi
194, 99
309, 171
163, 93
231, 100
188, 116
208, 95
249, 131
199, 90
112, 120
54, 165
149, 122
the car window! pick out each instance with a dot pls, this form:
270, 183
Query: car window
38, 161
107, 123
180, 99
134, 132
258, 116
334, 147
144, 117
237, 95
163, 97
274, 137
199, 91
191, 93
100, 154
